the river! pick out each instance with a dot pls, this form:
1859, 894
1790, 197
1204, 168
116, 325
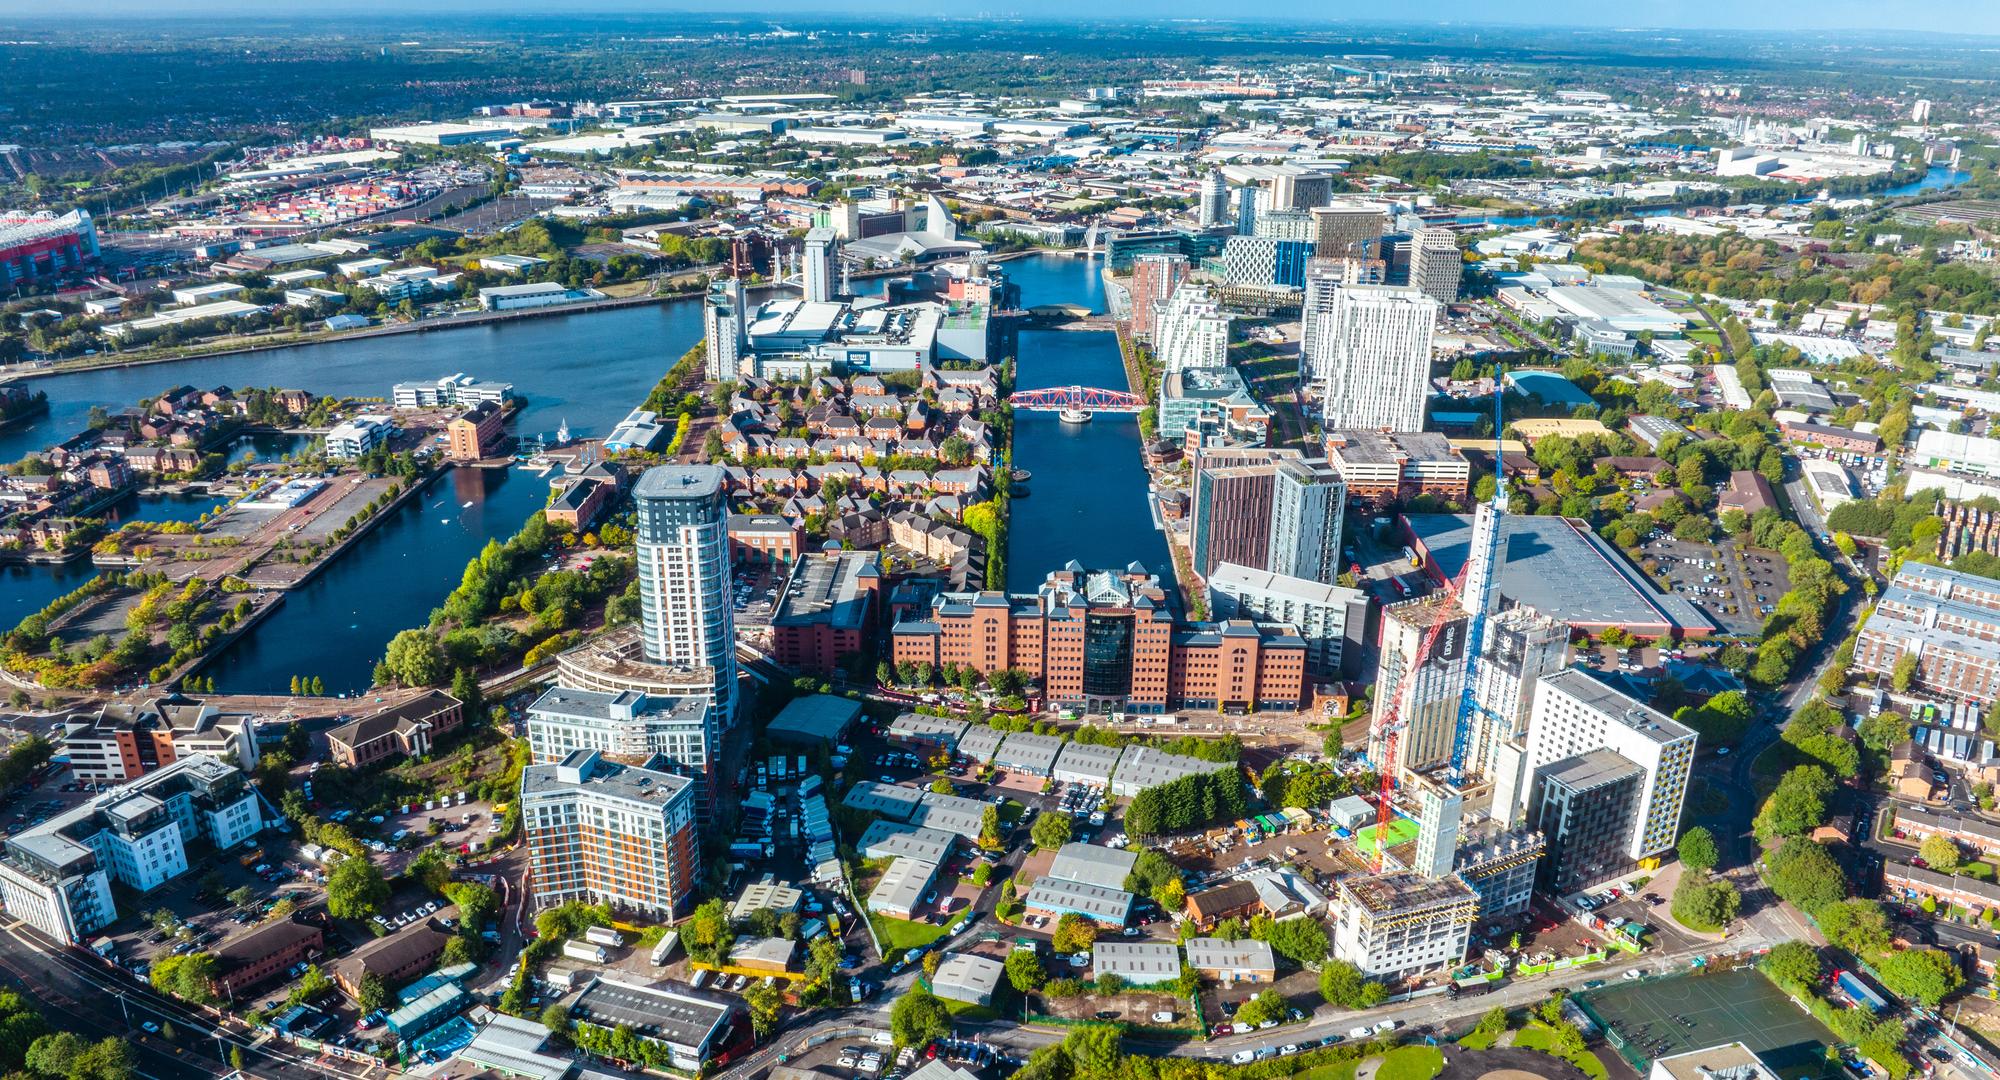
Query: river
1087, 500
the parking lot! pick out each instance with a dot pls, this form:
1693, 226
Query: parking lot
1735, 587
198, 910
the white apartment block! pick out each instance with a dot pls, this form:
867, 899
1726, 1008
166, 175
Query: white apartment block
1377, 358
602, 832
56, 876
1521, 646
1191, 331
816, 277
353, 438
626, 726
1399, 924
1324, 615
1574, 713
126, 741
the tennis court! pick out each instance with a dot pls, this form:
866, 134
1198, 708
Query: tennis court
1401, 831
1735, 1006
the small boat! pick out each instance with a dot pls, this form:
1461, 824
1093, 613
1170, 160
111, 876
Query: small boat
1075, 416
467, 506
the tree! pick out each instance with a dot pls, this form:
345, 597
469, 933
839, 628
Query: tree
1705, 904
1859, 926
1343, 986
187, 977
1697, 850
556, 1018
1793, 962
1269, 1005
55, 1054
1904, 673
1804, 874
764, 1003
416, 658
707, 935
1940, 853
1073, 934
374, 993
1303, 941
1926, 976
1024, 970
990, 837
1722, 719
1884, 731
918, 1017
1796, 806
355, 889
1095, 1049
1052, 829
241, 896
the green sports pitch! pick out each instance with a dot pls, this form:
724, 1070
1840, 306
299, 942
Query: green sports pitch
1732, 1006
1401, 831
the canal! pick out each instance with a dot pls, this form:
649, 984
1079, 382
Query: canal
1087, 500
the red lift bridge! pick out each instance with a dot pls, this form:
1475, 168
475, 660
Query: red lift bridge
1087, 398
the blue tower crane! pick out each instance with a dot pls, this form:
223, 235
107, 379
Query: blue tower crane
1475, 635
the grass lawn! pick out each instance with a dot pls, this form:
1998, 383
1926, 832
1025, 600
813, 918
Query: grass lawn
966, 1010
1706, 337
903, 934
1479, 1040
1539, 1036
1980, 869
1417, 1063
1339, 1071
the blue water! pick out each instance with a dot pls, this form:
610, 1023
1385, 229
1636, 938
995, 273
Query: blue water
337, 625
1937, 176
589, 368
1087, 501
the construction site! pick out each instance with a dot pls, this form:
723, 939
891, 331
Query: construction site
1477, 719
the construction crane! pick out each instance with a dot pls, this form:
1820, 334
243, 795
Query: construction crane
1391, 723
1475, 634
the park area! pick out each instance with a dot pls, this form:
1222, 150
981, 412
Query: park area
1644, 1020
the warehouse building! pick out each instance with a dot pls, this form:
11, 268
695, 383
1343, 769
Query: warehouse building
967, 978
1139, 963
671, 1014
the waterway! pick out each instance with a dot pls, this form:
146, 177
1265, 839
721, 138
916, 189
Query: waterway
1935, 177
1087, 500
336, 625
589, 368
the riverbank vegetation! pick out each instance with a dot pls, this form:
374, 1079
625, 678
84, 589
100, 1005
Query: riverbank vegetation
507, 605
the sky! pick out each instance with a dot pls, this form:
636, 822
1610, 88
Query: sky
1955, 17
